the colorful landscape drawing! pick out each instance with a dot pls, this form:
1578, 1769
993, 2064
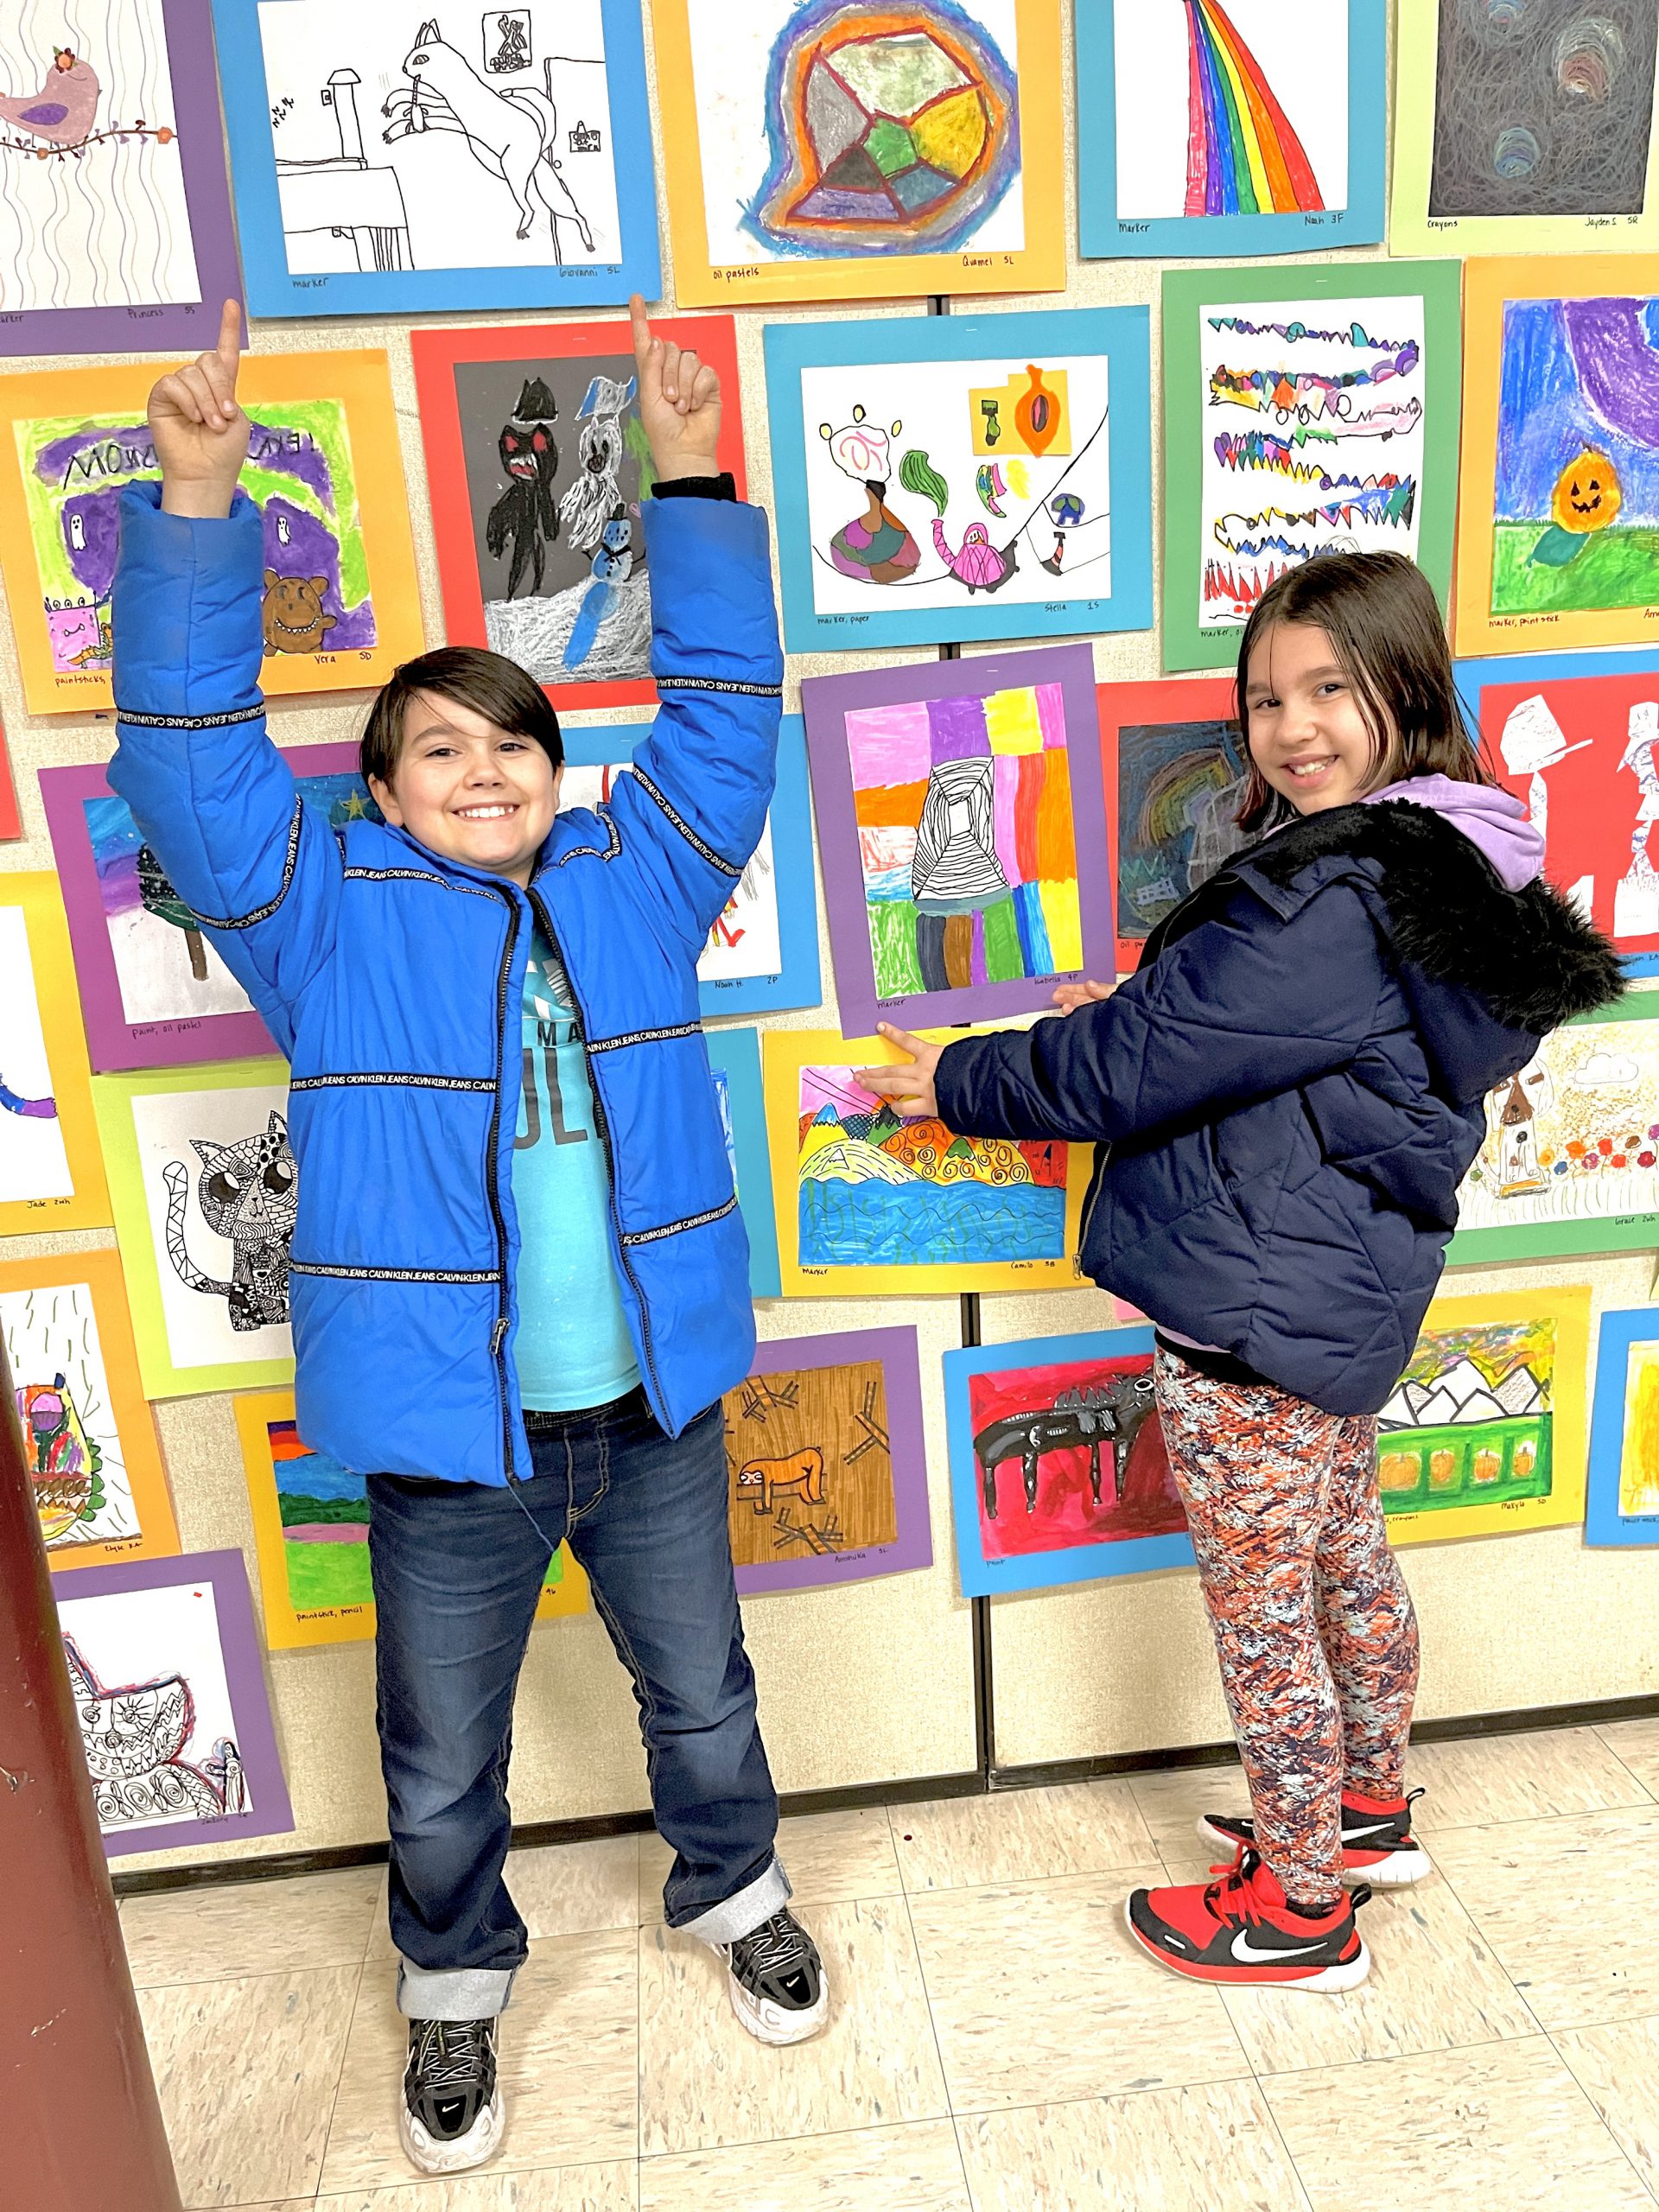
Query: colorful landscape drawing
1623, 1506
1526, 126
1576, 518
947, 801
1583, 752
323, 467
812, 142
824, 1451
872, 1201
1571, 1161
114, 203
1181, 770
311, 1530
89, 1441
1305, 412
1485, 1433
170, 1696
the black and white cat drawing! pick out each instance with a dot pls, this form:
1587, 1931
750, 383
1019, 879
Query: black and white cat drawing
249, 1193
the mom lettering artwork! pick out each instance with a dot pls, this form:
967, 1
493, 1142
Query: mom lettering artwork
825, 1457
396, 155
51, 1176
959, 884
1622, 1505
311, 1532
962, 477
1242, 128
842, 149
1305, 411
870, 1201
538, 463
1485, 1435
205, 1190
175, 1723
1560, 528
115, 214
338, 609
1525, 127
154, 989
1058, 1466
1571, 1159
89, 1442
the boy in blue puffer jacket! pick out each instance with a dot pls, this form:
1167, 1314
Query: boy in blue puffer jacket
515, 1309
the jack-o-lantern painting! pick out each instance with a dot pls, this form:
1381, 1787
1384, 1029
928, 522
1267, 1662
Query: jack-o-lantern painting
1589, 494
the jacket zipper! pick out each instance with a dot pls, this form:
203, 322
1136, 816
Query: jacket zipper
601, 1126
498, 1333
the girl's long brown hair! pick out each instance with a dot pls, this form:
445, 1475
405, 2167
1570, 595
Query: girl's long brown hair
1379, 612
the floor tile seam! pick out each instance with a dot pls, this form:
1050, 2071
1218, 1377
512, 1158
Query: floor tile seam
1289, 2155
1613, 1753
806, 2135
1405, 2057
1011, 1881
938, 2046
1245, 2072
1029, 1885
333, 2107
257, 1973
1643, 2183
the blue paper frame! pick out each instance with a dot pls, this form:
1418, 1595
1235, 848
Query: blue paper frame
1603, 1522
984, 1578
272, 292
736, 1053
798, 983
1123, 335
1473, 676
1101, 233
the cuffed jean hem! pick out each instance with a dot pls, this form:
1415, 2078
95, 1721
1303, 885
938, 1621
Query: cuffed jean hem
741, 1915
454, 1992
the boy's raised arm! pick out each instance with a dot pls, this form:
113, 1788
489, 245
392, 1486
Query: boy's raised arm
213, 796
703, 778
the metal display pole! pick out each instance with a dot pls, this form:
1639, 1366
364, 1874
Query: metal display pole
84, 2129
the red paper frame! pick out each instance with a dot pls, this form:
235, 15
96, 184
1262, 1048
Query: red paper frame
1125, 706
438, 353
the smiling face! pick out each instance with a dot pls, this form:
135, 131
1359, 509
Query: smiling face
469, 791
1588, 496
1308, 733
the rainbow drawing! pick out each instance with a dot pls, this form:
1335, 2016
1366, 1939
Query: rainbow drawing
1243, 157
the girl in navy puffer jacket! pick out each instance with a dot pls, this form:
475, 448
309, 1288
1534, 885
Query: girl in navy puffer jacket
1287, 1097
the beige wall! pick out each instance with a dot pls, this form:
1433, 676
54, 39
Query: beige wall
874, 1683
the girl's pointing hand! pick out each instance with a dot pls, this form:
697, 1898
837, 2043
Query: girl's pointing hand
908, 1088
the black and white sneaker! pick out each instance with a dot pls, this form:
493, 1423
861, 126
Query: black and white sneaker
776, 1979
451, 2117
1377, 1847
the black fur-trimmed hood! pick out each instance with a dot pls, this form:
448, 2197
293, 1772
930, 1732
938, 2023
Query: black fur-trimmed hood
1528, 955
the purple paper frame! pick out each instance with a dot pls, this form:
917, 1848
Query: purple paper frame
256, 1733
912, 1547
114, 1043
826, 699
180, 326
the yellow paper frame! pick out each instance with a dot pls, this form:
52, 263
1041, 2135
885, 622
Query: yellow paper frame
100, 1271
52, 968
291, 1628
113, 1097
1569, 1307
1038, 266
785, 1053
1486, 286
1412, 230
359, 376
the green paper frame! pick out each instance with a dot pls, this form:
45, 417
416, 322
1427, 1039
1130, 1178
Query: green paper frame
1187, 645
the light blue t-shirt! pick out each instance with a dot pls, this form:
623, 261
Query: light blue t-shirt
572, 1348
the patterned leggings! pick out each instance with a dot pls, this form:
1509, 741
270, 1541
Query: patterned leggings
1313, 1624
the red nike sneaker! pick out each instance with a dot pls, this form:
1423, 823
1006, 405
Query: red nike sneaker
1376, 1840
1239, 1929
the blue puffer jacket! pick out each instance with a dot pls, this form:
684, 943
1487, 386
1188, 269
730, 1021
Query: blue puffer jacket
1292, 1085
392, 980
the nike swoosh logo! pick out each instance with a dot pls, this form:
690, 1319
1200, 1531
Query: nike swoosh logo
1357, 1835
1247, 1954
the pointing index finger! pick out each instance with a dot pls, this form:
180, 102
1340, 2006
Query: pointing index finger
644, 343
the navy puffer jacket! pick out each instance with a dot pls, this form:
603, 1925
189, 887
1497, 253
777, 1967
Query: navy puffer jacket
1289, 1092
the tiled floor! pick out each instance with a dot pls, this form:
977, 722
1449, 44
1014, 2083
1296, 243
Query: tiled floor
997, 2045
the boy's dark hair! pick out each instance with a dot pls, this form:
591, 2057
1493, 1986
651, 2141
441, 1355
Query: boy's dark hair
489, 683
1380, 614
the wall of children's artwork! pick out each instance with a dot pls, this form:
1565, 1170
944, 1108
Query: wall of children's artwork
1006, 759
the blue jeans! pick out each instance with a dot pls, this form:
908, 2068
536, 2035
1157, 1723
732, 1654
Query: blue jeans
457, 1570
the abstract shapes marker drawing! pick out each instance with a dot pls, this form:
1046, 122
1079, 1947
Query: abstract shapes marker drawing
891, 131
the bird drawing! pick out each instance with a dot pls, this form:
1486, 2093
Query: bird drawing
63, 111
979, 564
